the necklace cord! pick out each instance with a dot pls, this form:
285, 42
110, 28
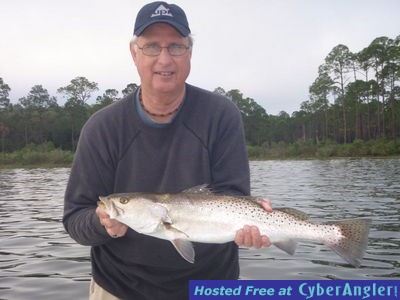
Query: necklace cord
154, 114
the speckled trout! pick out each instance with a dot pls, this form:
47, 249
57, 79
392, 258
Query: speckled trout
198, 215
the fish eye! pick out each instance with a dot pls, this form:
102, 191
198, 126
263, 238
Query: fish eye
123, 200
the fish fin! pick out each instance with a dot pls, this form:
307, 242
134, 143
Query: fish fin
289, 246
351, 247
174, 230
293, 212
185, 249
159, 211
198, 189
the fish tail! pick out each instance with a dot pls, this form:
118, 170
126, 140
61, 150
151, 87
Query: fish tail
353, 240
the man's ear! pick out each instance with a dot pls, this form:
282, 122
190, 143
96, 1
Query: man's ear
133, 51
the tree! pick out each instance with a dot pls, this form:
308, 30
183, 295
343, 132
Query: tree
356, 92
279, 127
338, 63
4, 130
243, 104
253, 115
109, 96
391, 75
129, 89
4, 92
35, 105
4, 104
38, 99
79, 90
378, 52
256, 123
319, 103
219, 91
77, 113
299, 123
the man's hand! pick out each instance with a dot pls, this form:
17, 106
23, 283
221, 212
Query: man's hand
114, 228
249, 236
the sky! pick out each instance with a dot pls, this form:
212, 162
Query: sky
270, 50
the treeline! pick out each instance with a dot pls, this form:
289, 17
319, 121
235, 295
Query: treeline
38, 119
355, 100
356, 96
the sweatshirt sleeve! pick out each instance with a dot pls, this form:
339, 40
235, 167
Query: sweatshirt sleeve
91, 176
229, 160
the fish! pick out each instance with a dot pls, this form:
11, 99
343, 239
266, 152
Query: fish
199, 215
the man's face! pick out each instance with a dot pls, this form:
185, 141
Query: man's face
163, 73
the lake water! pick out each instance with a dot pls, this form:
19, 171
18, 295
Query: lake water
38, 260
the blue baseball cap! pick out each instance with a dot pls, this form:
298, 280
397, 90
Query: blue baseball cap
161, 12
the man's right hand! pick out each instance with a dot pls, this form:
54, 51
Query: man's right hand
114, 228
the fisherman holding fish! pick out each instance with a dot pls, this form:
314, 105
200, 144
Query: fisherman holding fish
165, 137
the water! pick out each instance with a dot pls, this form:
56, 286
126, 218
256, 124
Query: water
38, 260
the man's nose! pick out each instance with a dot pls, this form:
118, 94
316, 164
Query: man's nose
164, 57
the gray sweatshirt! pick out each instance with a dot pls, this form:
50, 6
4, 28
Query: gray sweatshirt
119, 152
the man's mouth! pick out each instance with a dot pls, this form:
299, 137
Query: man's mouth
164, 73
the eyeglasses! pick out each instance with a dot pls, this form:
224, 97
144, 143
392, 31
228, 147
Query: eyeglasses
155, 50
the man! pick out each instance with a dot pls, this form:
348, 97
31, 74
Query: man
165, 137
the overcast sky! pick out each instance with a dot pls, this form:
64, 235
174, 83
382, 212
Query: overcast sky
269, 50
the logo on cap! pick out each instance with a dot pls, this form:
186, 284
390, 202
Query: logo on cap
161, 11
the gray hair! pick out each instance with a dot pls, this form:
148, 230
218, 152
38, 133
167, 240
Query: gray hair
135, 38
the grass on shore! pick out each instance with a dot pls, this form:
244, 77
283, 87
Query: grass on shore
311, 150
46, 155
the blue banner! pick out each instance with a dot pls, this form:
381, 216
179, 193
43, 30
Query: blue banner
294, 289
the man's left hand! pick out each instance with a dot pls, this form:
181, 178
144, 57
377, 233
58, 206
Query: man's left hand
250, 237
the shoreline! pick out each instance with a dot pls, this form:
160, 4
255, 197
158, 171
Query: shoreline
257, 159
48, 156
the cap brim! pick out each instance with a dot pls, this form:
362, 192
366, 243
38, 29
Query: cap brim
181, 29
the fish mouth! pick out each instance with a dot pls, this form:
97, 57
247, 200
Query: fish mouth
109, 206
103, 202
